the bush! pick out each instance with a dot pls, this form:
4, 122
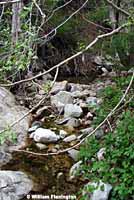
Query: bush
117, 168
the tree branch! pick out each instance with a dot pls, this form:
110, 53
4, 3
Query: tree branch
69, 58
118, 8
6, 2
90, 134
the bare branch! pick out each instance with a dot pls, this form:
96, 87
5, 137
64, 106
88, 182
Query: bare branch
38, 7
36, 106
56, 28
90, 134
56, 9
118, 8
69, 58
12, 1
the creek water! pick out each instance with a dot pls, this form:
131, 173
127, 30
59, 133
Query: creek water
50, 174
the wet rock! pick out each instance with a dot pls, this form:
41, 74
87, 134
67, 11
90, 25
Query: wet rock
59, 86
74, 169
34, 126
9, 113
71, 110
70, 138
99, 134
43, 111
63, 134
74, 154
73, 122
41, 146
14, 185
61, 99
98, 193
91, 101
85, 132
42, 135
62, 121
101, 153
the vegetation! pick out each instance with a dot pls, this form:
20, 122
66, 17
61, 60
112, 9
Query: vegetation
117, 166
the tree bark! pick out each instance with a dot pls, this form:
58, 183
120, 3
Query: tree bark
16, 24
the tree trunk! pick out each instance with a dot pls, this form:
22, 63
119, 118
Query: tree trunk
16, 24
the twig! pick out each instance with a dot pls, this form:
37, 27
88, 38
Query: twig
69, 58
6, 2
56, 9
38, 7
2, 12
118, 8
90, 134
109, 125
35, 107
61, 24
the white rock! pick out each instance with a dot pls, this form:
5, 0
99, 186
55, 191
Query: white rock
85, 132
70, 138
59, 86
61, 99
98, 193
41, 146
14, 185
63, 134
71, 110
100, 153
92, 101
42, 135
73, 170
73, 153
73, 122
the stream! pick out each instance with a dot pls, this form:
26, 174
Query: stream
50, 174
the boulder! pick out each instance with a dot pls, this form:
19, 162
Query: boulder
14, 185
42, 135
101, 191
59, 86
61, 99
9, 113
72, 110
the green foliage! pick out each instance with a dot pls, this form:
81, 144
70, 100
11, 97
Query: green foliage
8, 135
99, 14
16, 58
47, 86
117, 166
111, 96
